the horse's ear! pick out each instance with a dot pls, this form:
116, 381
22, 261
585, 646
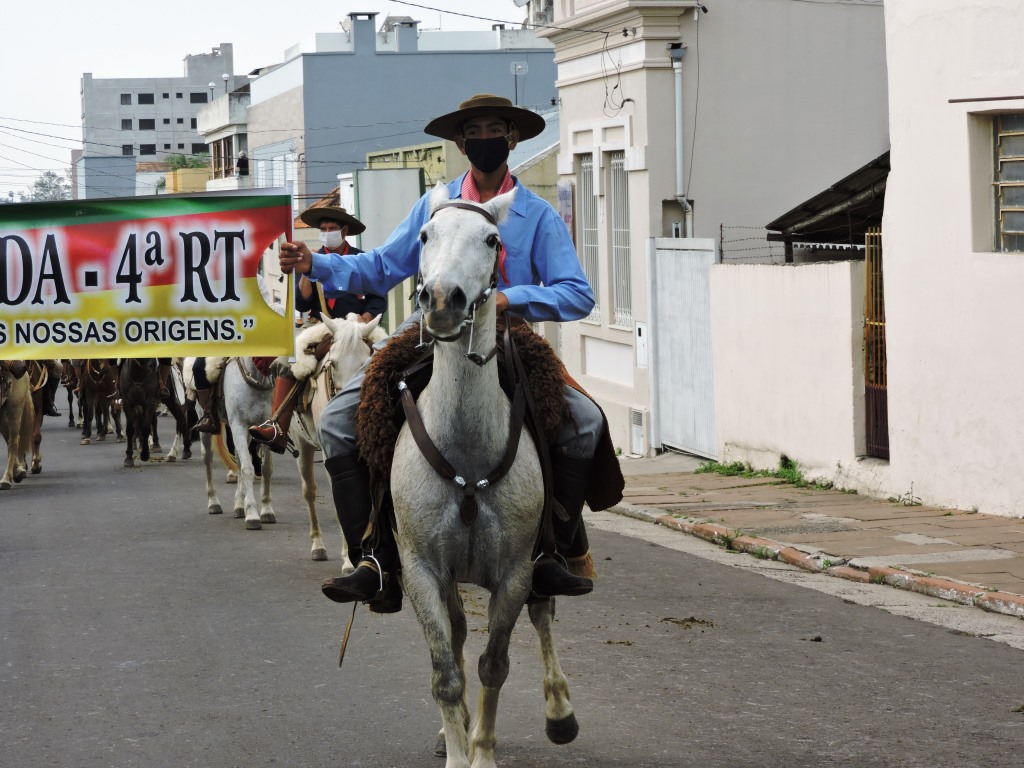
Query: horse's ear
330, 323
371, 326
498, 206
438, 196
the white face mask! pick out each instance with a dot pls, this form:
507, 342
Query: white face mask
331, 240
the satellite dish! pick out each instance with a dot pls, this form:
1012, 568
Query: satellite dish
521, 3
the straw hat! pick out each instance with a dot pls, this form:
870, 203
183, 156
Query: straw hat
528, 122
312, 217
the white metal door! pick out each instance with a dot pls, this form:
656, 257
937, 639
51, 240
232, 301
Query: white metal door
683, 398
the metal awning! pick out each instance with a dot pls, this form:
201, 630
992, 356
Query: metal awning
839, 215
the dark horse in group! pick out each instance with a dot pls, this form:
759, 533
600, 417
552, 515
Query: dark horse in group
98, 387
139, 386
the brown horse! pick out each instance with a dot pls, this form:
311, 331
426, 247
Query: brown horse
99, 384
38, 376
16, 418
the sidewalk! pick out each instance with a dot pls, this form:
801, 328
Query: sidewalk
966, 557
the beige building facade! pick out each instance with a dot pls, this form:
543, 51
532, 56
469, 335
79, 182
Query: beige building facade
697, 126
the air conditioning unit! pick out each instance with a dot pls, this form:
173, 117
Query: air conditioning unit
637, 432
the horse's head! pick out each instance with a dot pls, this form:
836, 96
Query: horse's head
459, 260
353, 341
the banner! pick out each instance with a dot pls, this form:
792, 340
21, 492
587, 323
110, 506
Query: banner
162, 276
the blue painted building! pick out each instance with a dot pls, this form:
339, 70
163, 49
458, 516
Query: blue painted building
339, 96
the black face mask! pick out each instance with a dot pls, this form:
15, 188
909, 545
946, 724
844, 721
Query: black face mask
487, 155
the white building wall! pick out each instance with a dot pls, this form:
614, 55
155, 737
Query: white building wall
789, 376
953, 306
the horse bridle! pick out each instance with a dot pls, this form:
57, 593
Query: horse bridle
485, 294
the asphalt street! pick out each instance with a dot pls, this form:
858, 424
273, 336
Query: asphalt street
137, 630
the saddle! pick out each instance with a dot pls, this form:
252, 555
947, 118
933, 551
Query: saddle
379, 417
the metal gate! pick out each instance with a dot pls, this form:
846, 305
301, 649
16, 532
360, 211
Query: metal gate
876, 397
682, 398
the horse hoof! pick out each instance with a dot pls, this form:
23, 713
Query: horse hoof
170, 458
100, 438
86, 441
19, 476
440, 748
37, 470
120, 439
155, 448
71, 424
562, 731
5, 486
239, 512
215, 509
320, 554
268, 517
253, 525
129, 463
187, 455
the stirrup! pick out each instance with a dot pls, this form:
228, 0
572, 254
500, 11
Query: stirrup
268, 423
380, 572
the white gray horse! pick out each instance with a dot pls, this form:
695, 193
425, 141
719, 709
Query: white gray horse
349, 349
247, 400
466, 416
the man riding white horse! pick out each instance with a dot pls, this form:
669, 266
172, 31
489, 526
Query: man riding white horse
540, 280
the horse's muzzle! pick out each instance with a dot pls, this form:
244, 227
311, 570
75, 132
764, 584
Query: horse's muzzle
444, 311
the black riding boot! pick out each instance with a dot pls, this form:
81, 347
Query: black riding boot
550, 575
49, 391
374, 580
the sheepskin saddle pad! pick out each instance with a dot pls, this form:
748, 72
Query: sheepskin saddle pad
379, 417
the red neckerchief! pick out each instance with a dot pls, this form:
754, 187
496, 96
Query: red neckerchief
342, 252
471, 193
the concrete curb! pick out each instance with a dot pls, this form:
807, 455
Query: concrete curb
946, 589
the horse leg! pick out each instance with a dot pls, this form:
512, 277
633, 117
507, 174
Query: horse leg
503, 611
99, 412
212, 502
561, 726
457, 614
10, 437
115, 416
266, 509
432, 602
71, 408
146, 419
129, 451
86, 420
37, 440
154, 442
308, 484
25, 443
245, 496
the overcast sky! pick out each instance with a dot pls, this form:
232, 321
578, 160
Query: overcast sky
49, 44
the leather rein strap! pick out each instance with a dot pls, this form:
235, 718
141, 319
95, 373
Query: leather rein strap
469, 508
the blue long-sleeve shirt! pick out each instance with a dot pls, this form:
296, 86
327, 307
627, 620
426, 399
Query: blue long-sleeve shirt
545, 279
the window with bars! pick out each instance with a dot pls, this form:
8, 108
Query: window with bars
1009, 182
618, 207
586, 236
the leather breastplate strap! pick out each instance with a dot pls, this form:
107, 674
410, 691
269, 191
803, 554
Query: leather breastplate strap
468, 509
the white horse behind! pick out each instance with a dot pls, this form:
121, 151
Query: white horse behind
352, 344
247, 400
466, 416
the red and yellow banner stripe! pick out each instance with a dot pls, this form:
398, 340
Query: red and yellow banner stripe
164, 276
